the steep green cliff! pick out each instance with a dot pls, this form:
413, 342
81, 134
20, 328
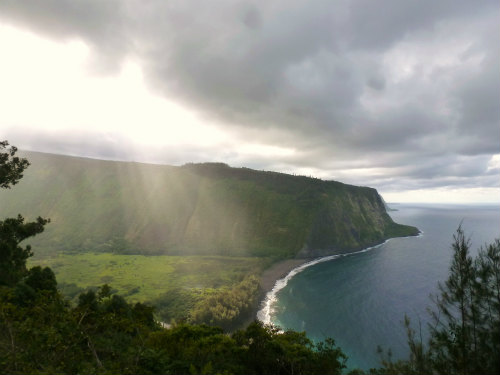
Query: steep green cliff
204, 209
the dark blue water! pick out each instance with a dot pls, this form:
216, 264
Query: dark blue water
360, 300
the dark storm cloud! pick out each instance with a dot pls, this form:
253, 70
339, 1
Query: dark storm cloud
409, 86
379, 24
478, 95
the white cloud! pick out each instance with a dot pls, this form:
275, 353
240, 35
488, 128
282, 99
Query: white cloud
46, 85
444, 195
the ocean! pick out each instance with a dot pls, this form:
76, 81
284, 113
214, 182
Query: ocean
360, 299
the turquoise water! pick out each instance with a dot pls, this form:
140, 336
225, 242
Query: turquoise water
360, 299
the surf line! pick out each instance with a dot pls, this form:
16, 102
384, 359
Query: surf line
265, 313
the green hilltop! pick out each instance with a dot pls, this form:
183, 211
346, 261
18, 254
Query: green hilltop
195, 209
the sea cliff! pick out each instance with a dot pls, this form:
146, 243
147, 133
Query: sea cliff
196, 209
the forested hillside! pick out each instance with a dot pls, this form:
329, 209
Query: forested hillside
202, 209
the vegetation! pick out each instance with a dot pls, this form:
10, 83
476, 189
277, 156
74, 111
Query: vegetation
227, 308
465, 334
101, 333
174, 284
148, 229
197, 209
106, 335
14, 230
40, 332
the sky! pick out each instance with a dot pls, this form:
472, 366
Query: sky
402, 96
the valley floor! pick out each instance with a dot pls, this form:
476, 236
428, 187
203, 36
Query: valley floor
174, 284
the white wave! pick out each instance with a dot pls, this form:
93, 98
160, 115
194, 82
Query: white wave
267, 310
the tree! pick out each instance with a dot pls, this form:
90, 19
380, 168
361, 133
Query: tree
465, 334
271, 351
454, 342
12, 256
487, 300
11, 166
14, 230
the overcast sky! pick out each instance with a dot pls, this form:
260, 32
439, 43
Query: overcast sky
403, 96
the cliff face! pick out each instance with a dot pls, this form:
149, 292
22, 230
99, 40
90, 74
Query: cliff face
353, 220
195, 209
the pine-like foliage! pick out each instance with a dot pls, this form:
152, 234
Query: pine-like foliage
465, 333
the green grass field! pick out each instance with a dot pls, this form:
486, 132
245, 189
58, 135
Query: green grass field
183, 280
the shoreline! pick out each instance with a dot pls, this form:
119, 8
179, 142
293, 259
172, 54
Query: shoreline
276, 277
278, 271
267, 281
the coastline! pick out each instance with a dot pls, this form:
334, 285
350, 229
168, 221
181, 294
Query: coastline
276, 277
267, 281
278, 271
